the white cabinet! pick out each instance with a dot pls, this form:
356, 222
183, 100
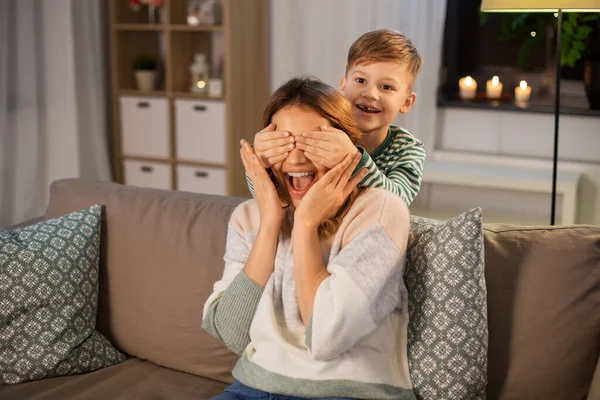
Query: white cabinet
144, 126
200, 131
202, 179
147, 174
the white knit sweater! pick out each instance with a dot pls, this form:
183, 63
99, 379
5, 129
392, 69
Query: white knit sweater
355, 343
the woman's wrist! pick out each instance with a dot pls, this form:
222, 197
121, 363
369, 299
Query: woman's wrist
269, 228
305, 227
305, 222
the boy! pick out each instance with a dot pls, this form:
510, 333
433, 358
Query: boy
381, 69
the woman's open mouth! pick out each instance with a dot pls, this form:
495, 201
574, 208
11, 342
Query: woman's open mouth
298, 183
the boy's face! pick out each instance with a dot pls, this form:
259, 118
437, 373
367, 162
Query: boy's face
378, 92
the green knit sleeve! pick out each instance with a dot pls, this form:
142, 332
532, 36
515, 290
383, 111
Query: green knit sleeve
250, 185
229, 317
401, 173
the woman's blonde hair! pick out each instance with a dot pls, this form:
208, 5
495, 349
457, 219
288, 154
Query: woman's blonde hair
310, 92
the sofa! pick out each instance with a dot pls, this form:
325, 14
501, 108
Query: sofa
161, 252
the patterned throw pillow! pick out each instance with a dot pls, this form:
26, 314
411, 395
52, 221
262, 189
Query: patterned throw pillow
447, 331
48, 299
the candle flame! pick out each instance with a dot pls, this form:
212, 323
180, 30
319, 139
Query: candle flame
495, 80
523, 85
468, 81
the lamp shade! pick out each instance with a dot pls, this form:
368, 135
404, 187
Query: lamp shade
540, 5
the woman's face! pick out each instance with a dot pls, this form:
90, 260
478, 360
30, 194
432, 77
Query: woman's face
296, 173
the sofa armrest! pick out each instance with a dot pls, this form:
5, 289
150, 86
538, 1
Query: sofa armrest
594, 392
26, 223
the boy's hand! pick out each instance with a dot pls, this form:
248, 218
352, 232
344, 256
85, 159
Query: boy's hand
328, 147
271, 146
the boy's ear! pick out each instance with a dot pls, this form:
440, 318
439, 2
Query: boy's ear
408, 103
343, 84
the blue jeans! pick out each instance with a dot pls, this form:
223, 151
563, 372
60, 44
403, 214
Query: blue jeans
239, 391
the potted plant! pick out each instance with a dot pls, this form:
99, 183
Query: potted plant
580, 41
145, 67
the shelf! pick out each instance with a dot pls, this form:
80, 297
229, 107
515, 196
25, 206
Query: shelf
121, 13
131, 44
570, 105
134, 92
140, 27
183, 46
236, 48
147, 159
195, 96
173, 95
179, 10
200, 164
196, 28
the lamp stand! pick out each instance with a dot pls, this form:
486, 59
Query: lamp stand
556, 115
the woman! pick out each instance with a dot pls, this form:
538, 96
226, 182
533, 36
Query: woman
312, 296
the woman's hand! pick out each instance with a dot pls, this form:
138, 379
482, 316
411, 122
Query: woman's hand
265, 192
326, 196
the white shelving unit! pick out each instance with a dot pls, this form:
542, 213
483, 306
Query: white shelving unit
171, 138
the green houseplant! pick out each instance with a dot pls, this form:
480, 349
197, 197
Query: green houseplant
145, 67
578, 30
580, 41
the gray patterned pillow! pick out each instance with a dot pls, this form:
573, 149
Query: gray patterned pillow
447, 330
49, 297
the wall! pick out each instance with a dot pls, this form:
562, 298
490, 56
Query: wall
59, 91
524, 139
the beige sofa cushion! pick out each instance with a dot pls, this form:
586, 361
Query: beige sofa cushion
543, 311
161, 253
132, 379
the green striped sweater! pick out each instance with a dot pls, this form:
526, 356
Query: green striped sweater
396, 165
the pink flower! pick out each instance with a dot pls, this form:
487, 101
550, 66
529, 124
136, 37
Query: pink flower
158, 3
135, 4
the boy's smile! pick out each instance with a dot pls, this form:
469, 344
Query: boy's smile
378, 92
367, 108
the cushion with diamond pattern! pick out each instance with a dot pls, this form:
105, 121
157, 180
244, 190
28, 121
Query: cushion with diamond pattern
49, 297
447, 330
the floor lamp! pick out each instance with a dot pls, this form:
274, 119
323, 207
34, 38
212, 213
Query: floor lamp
554, 6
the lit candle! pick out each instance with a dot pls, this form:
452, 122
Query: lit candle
467, 88
493, 88
522, 93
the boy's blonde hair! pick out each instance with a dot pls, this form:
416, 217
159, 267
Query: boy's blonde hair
385, 45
